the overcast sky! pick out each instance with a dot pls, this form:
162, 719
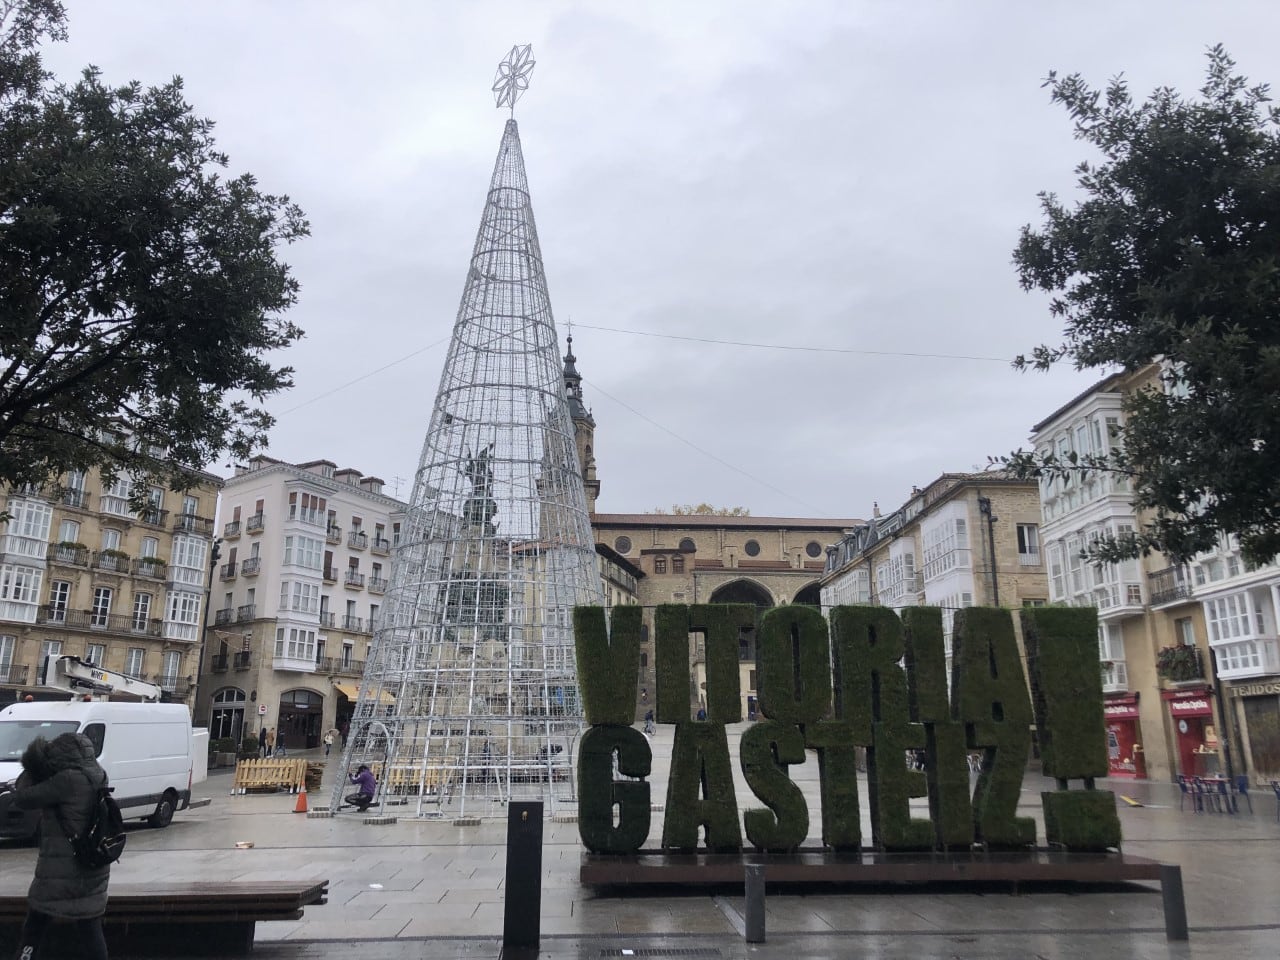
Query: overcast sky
848, 175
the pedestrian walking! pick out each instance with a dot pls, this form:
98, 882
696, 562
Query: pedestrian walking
61, 779
345, 729
328, 742
271, 742
280, 743
262, 743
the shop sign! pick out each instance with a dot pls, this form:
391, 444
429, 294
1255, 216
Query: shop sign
1123, 709
1271, 688
1195, 707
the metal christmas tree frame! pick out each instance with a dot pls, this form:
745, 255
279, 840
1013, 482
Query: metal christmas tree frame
470, 695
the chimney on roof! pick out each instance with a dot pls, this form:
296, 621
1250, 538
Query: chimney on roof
875, 509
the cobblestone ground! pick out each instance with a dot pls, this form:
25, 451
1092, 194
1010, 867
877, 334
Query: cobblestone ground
427, 888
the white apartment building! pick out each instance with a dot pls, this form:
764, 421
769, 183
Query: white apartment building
1215, 614
306, 552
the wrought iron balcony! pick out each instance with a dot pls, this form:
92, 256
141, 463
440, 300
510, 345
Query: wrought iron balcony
337, 665
333, 533
327, 619
96, 620
250, 566
190, 523
231, 530
381, 546
150, 567
229, 570
357, 540
15, 673
353, 623
377, 584
218, 663
222, 617
70, 555
153, 516
246, 612
1180, 663
254, 524
330, 575
1168, 585
243, 660
112, 561
176, 687
75, 498
354, 580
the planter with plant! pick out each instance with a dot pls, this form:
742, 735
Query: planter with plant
1179, 663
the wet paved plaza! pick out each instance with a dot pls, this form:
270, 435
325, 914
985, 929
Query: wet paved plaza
428, 889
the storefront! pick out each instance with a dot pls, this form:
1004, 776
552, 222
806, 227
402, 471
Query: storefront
1124, 737
1194, 733
1258, 716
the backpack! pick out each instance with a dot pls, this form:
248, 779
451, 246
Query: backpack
103, 839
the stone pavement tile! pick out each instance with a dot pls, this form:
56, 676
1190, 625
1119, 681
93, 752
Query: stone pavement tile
442, 912
348, 930
578, 925
268, 930
395, 896
331, 912
457, 895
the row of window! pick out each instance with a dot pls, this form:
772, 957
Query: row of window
96, 653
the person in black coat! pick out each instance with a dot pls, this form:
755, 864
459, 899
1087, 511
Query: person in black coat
62, 778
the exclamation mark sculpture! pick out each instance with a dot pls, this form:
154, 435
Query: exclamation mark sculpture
470, 694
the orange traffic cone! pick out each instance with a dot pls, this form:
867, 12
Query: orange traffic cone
301, 805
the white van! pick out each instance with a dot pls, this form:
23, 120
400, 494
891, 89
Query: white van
146, 749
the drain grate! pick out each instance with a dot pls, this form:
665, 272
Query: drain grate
662, 952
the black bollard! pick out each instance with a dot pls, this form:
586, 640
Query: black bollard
754, 903
522, 916
1175, 905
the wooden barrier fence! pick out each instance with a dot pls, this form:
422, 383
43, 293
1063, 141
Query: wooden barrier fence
270, 774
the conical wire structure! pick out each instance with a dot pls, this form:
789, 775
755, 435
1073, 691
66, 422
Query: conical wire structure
470, 695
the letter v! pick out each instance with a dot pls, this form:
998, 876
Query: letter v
608, 662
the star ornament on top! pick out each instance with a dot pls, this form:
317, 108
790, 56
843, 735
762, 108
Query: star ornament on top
512, 78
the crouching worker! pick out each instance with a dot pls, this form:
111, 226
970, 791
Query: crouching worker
61, 778
368, 785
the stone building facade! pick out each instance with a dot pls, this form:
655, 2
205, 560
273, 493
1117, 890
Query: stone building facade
306, 560
966, 539
85, 573
1190, 652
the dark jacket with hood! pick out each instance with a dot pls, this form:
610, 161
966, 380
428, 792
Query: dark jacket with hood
62, 778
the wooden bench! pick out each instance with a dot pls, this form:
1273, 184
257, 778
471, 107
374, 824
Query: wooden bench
180, 919
869, 868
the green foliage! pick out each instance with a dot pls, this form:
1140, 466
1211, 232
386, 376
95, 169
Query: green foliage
249, 747
990, 693
872, 698
1066, 689
838, 781
1170, 256
794, 664
608, 662
141, 294
671, 662
598, 792
1179, 662
721, 624
1081, 820
768, 748
946, 756
700, 792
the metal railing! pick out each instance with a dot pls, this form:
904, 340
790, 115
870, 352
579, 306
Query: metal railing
330, 575
354, 579
231, 530
357, 540
1168, 585
150, 567
254, 524
229, 570
222, 617
153, 516
93, 620
70, 556
333, 534
250, 566
246, 612
353, 623
243, 660
190, 523
114, 562
351, 668
13, 673
327, 618
381, 546
218, 663
377, 584
75, 498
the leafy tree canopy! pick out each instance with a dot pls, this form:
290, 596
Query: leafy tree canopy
1173, 256
702, 510
140, 290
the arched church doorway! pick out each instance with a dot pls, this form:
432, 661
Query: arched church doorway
810, 595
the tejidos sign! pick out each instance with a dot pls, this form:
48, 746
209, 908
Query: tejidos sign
870, 680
